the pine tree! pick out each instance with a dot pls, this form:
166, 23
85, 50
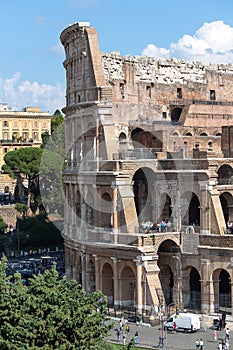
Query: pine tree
50, 313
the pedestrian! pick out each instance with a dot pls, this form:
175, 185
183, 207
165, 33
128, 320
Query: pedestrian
220, 346
227, 333
124, 338
136, 340
127, 328
201, 344
220, 324
118, 333
121, 325
215, 336
197, 344
174, 327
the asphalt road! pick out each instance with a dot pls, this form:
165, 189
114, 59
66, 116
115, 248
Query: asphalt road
149, 337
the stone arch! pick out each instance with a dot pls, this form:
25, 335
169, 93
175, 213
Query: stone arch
190, 208
89, 200
188, 134
170, 266
106, 210
166, 278
225, 175
175, 114
175, 133
143, 181
122, 136
108, 282
226, 200
145, 139
166, 210
195, 289
90, 277
222, 289
127, 278
203, 133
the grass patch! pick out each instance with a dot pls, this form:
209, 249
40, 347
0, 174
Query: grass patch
122, 347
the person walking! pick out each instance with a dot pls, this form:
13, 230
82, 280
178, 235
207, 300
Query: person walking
197, 344
118, 333
215, 336
136, 340
220, 346
227, 333
174, 327
124, 338
201, 343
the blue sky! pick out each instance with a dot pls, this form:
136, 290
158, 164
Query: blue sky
31, 59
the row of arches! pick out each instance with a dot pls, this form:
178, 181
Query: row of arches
146, 203
171, 277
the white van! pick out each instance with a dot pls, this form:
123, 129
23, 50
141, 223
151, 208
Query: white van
184, 321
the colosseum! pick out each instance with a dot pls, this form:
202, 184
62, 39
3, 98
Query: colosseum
148, 178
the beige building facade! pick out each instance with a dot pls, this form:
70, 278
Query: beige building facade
20, 129
149, 177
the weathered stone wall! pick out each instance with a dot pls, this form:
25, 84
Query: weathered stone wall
9, 215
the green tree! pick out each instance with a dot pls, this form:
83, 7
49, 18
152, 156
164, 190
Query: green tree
50, 313
24, 162
3, 225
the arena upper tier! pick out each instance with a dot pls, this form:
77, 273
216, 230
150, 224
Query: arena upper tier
149, 177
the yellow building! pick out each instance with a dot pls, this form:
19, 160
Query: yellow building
20, 129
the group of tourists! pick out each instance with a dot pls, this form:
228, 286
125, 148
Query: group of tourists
123, 332
147, 226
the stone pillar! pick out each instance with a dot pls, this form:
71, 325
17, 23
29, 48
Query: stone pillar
204, 208
206, 302
83, 260
116, 282
139, 300
97, 272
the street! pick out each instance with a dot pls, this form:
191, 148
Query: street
149, 337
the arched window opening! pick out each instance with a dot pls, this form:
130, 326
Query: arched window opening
203, 134
224, 290
143, 182
108, 283
195, 289
128, 287
225, 175
188, 134
176, 113
122, 137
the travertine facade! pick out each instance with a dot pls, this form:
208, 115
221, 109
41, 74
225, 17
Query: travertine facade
148, 140
20, 129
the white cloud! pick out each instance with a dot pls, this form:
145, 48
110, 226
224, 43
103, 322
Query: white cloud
212, 43
19, 94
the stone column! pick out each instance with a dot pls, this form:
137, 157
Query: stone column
139, 300
205, 286
97, 272
205, 222
115, 282
83, 260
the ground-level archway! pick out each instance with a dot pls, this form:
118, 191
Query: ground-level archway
222, 290
127, 279
108, 283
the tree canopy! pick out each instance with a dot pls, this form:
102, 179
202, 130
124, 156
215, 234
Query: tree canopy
50, 313
25, 163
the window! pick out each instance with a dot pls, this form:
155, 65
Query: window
35, 125
179, 93
15, 135
25, 135
35, 136
164, 115
25, 124
5, 136
5, 150
5, 123
212, 95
